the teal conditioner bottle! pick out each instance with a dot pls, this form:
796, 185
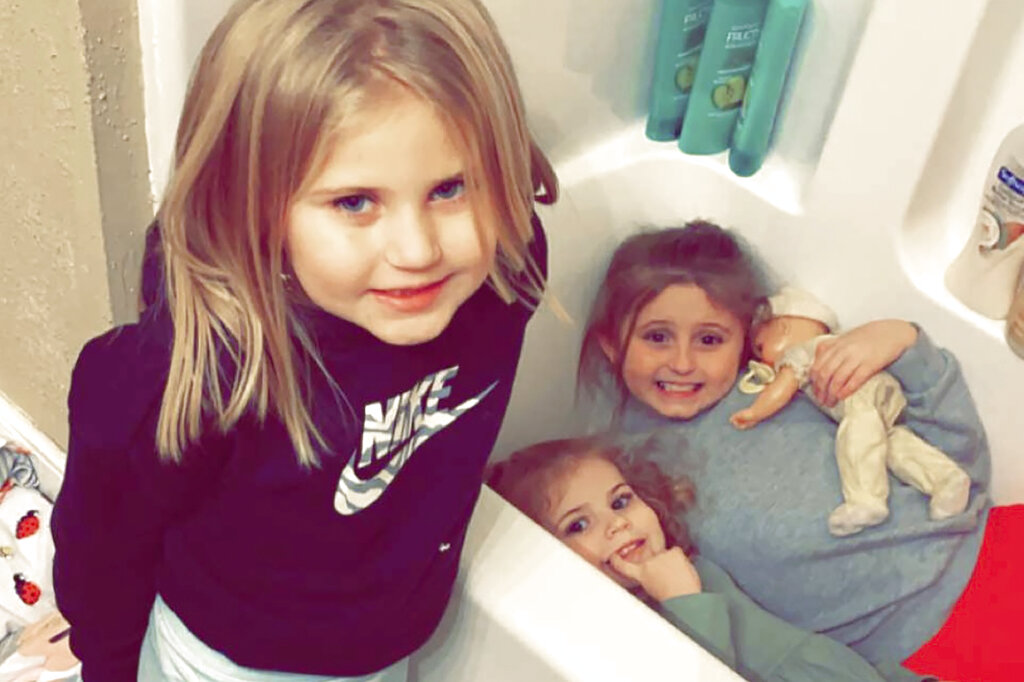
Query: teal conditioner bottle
733, 30
751, 138
680, 37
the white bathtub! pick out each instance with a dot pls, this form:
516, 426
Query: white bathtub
889, 126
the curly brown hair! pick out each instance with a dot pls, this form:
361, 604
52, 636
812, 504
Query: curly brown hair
528, 476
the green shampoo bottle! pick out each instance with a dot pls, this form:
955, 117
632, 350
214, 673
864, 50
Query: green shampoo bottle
680, 37
730, 43
751, 138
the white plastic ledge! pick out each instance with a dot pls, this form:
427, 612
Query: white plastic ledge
528, 608
48, 458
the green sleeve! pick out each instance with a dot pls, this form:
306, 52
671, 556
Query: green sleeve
765, 647
704, 618
894, 672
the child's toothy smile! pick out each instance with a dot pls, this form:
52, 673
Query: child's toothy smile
678, 388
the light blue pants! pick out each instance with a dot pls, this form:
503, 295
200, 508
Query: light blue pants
171, 652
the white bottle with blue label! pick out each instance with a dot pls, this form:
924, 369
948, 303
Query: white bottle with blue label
984, 275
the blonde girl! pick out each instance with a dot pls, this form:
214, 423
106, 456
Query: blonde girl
617, 509
270, 475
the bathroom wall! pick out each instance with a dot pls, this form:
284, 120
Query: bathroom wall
74, 174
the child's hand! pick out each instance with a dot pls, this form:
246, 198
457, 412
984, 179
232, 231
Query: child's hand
663, 576
842, 365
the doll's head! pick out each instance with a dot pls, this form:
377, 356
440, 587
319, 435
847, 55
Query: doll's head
597, 499
789, 317
281, 195
671, 317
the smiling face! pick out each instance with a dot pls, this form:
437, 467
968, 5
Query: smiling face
385, 235
683, 354
597, 514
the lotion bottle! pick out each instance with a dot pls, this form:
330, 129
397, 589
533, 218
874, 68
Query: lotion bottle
751, 138
984, 275
680, 38
734, 28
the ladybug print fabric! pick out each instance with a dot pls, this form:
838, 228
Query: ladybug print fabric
26, 556
28, 525
26, 590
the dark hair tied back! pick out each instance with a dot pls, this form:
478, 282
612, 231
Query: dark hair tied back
699, 253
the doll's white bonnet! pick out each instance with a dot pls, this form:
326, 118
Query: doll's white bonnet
799, 303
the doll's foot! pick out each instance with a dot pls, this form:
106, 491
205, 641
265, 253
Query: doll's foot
950, 496
852, 517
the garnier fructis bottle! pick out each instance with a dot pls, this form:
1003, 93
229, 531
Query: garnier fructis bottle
730, 42
753, 131
680, 38
984, 275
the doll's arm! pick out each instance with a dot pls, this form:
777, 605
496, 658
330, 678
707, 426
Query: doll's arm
773, 398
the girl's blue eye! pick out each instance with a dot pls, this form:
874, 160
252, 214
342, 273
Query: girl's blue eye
577, 526
656, 336
353, 203
622, 501
711, 339
449, 189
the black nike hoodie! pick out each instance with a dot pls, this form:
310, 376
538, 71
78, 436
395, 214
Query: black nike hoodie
341, 569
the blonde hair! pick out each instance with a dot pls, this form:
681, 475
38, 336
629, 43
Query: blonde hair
271, 88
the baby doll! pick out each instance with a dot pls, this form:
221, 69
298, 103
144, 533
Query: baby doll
785, 334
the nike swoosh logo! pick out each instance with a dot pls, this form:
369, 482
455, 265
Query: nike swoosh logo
368, 473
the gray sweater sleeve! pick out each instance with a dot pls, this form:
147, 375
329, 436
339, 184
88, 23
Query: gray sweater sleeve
939, 405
